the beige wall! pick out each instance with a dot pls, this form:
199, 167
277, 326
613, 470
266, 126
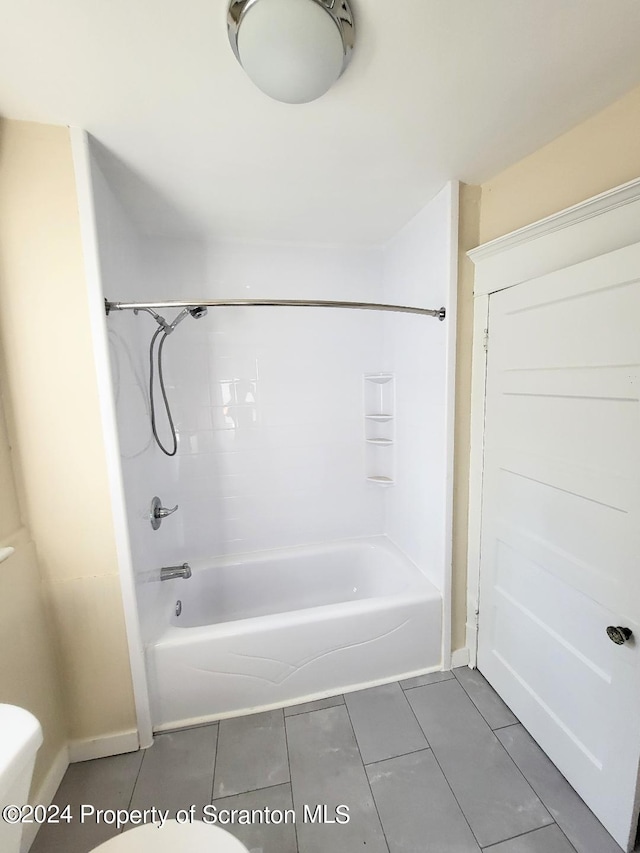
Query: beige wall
29, 666
55, 423
10, 516
468, 237
595, 156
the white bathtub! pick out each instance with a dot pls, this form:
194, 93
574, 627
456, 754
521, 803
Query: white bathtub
271, 629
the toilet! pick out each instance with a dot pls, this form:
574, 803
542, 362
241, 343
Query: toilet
173, 837
20, 740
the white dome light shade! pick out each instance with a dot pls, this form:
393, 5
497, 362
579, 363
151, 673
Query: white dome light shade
293, 50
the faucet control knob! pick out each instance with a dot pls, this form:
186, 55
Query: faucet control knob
158, 512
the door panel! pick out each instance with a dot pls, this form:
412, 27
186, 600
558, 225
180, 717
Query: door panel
560, 557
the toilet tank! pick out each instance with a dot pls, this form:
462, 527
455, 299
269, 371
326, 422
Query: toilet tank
20, 739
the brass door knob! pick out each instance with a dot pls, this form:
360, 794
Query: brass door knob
619, 635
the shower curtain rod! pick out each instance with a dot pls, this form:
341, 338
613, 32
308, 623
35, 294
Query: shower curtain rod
440, 313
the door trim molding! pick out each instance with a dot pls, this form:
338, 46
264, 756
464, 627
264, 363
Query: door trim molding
476, 471
601, 224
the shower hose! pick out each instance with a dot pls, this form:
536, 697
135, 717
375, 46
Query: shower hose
172, 452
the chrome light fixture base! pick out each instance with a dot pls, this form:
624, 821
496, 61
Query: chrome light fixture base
338, 11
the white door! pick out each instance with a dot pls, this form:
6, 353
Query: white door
560, 553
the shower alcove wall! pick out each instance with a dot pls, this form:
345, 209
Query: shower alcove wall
270, 405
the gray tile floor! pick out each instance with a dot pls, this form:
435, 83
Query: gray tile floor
436, 763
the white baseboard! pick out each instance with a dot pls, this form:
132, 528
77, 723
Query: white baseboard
45, 794
460, 657
101, 747
76, 750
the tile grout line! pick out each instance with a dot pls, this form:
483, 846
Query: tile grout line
572, 846
546, 808
366, 776
180, 729
215, 761
286, 744
506, 726
429, 684
524, 835
444, 775
493, 731
433, 684
478, 708
393, 757
250, 791
135, 782
540, 800
635, 850
313, 710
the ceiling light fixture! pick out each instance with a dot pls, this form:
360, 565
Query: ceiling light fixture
293, 50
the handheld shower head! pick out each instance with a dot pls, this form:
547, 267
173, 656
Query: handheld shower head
164, 331
195, 312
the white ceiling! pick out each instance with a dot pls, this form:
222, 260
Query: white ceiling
437, 89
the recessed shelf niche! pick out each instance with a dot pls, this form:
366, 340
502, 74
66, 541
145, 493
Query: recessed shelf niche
379, 429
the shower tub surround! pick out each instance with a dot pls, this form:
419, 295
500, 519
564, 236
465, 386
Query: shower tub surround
278, 448
274, 628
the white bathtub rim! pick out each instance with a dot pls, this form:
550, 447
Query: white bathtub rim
378, 541
194, 722
374, 542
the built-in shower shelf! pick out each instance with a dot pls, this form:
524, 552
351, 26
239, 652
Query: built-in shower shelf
379, 398
378, 378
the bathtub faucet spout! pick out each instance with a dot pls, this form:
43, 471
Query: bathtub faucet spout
168, 573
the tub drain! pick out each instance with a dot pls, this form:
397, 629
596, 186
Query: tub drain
178, 607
